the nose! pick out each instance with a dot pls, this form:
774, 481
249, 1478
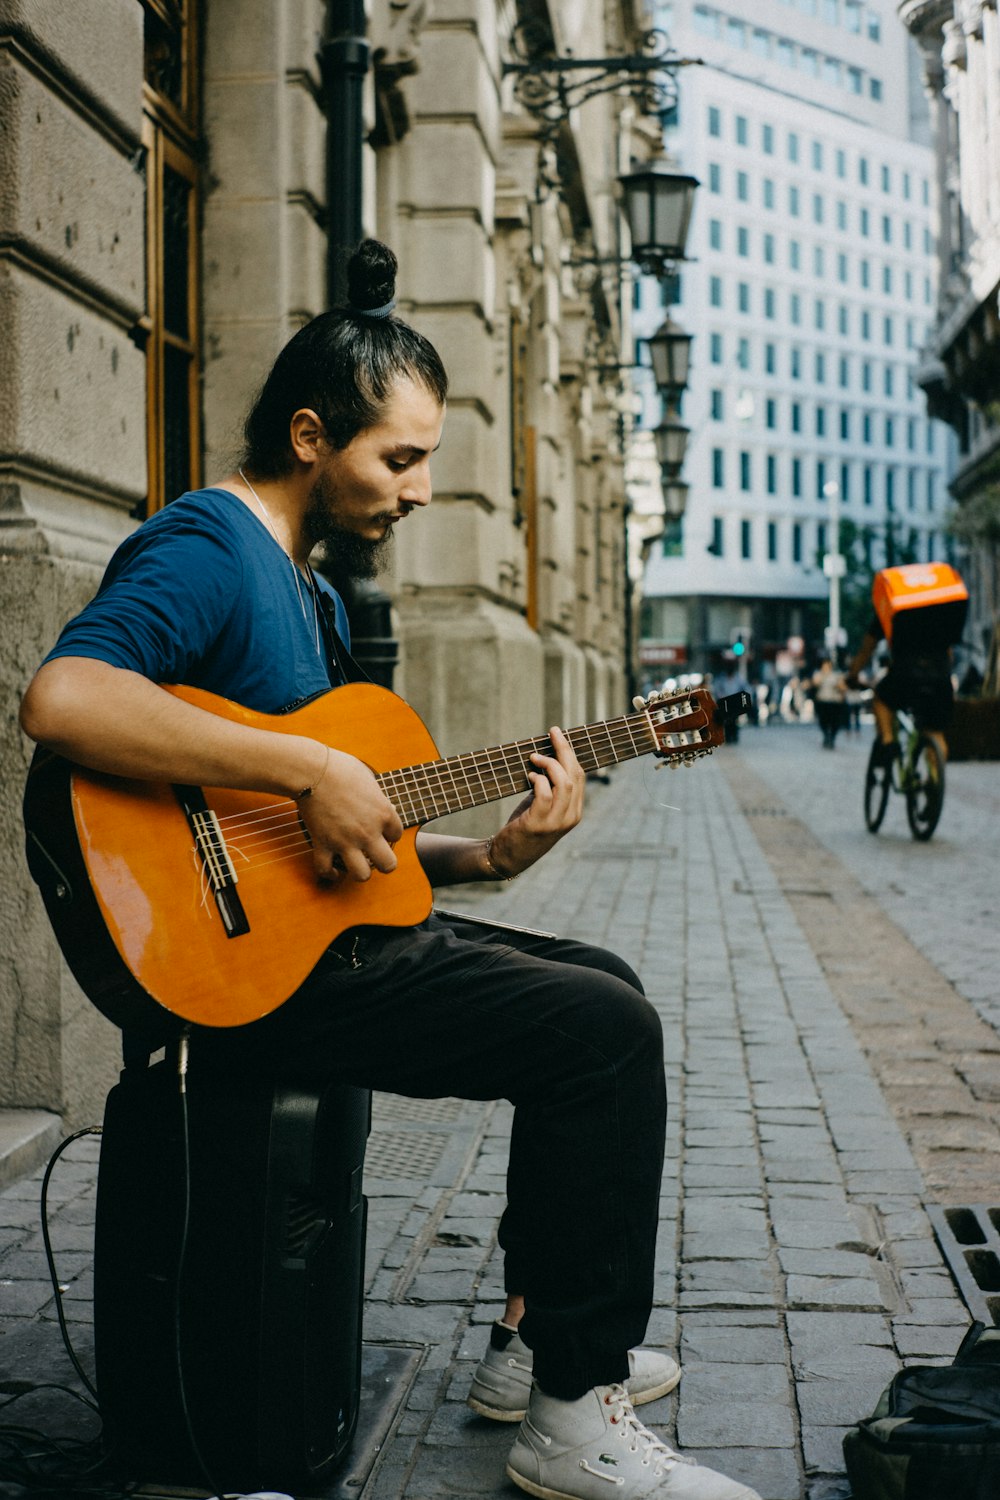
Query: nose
418, 490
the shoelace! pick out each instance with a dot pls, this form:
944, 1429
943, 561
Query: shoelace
654, 1451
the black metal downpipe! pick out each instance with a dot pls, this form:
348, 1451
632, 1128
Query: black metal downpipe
344, 60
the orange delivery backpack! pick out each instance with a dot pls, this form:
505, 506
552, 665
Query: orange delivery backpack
921, 606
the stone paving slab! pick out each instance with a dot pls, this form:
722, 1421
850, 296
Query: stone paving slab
797, 1266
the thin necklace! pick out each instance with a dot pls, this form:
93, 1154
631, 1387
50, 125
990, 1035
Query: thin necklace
295, 570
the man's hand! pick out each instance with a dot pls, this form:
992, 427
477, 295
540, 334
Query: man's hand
554, 806
351, 822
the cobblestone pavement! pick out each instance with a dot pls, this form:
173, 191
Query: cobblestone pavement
832, 1063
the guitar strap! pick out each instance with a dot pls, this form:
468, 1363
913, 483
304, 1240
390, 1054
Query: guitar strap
340, 658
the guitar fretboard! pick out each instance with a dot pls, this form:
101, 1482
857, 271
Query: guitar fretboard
420, 793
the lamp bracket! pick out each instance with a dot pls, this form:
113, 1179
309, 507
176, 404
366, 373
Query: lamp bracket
650, 263
549, 85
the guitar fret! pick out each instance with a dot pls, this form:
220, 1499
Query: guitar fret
458, 782
472, 774
434, 789
517, 780
428, 794
439, 792
463, 796
491, 764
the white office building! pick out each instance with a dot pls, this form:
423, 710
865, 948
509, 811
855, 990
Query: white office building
809, 289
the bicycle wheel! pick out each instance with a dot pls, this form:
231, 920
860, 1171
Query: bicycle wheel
878, 780
925, 789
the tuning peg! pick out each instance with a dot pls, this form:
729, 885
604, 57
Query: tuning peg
638, 702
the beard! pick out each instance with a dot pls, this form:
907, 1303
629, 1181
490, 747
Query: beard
350, 553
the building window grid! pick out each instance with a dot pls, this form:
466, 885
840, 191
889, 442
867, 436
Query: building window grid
793, 55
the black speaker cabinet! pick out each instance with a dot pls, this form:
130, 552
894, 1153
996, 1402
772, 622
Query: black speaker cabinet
267, 1324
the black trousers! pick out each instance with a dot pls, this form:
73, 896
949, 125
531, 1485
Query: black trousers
561, 1029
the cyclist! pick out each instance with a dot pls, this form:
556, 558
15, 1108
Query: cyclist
919, 682
920, 610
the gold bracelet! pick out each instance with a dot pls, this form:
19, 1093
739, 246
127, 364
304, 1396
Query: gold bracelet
488, 851
307, 791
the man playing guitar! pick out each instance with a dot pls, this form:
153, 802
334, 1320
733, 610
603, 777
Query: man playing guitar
215, 592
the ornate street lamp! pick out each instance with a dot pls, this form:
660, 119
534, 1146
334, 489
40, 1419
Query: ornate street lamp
670, 352
671, 439
658, 204
675, 494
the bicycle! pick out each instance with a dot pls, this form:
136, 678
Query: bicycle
916, 770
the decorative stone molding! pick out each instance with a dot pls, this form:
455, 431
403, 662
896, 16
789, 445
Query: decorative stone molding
970, 14
953, 50
395, 39
924, 17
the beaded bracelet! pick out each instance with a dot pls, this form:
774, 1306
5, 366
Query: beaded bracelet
500, 875
307, 791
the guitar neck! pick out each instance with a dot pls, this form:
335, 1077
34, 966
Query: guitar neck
420, 793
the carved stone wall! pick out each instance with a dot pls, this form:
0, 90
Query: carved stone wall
508, 591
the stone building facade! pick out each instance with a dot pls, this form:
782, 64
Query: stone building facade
162, 233
960, 43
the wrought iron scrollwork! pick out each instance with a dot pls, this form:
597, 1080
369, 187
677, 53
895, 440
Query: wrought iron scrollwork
549, 85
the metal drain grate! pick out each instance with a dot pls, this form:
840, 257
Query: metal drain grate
426, 1111
970, 1242
394, 1153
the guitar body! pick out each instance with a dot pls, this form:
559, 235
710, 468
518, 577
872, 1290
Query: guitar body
201, 904
128, 895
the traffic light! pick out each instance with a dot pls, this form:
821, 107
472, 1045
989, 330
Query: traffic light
740, 641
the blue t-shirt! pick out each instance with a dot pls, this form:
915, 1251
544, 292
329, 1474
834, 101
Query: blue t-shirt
202, 594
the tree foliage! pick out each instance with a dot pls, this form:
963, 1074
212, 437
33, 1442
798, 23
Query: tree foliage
976, 522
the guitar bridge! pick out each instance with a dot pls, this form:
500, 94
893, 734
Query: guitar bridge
210, 845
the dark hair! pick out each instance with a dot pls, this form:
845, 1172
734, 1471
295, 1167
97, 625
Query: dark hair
343, 365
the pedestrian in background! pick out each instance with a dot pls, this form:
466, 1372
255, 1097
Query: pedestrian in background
830, 699
731, 680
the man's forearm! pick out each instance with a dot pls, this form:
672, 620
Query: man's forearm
119, 722
449, 860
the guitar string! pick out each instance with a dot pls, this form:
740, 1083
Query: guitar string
499, 757
282, 824
296, 836
405, 781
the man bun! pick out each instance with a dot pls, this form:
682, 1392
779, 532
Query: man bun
371, 276
344, 364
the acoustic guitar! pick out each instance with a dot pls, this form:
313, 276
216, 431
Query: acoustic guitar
202, 903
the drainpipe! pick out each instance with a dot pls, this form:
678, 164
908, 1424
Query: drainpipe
343, 60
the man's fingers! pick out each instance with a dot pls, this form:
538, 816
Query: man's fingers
382, 857
360, 863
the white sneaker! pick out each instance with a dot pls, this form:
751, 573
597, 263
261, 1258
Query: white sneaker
502, 1382
597, 1449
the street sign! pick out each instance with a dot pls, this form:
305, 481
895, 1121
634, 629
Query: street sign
653, 655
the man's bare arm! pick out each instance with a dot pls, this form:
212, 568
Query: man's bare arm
552, 808
119, 722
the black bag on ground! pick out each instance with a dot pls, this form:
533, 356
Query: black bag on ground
935, 1433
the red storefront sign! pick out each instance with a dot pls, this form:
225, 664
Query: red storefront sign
651, 655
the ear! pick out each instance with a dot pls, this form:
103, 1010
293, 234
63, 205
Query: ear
306, 435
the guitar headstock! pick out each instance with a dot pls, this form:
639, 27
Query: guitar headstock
687, 725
